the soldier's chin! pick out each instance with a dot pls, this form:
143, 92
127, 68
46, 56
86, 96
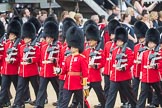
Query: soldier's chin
72, 52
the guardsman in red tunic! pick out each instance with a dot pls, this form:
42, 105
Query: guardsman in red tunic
109, 47
38, 28
2, 36
75, 68
120, 75
29, 58
95, 58
10, 60
150, 66
154, 99
160, 69
49, 62
65, 51
140, 30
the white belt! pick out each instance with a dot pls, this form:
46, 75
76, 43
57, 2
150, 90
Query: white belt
25, 63
46, 62
147, 67
108, 59
137, 61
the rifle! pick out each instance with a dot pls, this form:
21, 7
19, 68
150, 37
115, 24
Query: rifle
94, 54
39, 36
28, 50
52, 50
67, 53
1, 41
12, 51
119, 58
155, 56
141, 49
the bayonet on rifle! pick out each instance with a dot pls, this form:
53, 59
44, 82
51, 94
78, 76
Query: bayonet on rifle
155, 56
119, 58
12, 51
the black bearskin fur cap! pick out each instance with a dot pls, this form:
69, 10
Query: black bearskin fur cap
75, 38
51, 30
28, 30
140, 29
121, 34
14, 27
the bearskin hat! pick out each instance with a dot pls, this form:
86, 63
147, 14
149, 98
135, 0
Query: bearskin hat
140, 29
2, 29
14, 27
87, 23
92, 32
28, 30
112, 25
51, 30
121, 34
159, 29
36, 23
50, 18
67, 23
75, 38
152, 35
18, 19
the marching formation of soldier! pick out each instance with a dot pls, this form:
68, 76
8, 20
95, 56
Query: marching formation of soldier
74, 58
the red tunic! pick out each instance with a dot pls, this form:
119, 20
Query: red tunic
1, 55
63, 57
47, 69
10, 68
94, 75
75, 64
116, 75
160, 65
108, 56
137, 66
31, 69
149, 75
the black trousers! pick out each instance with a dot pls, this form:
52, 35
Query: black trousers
67, 96
22, 84
61, 85
0, 79
135, 85
5, 86
155, 100
99, 92
43, 87
106, 85
27, 93
145, 92
114, 88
